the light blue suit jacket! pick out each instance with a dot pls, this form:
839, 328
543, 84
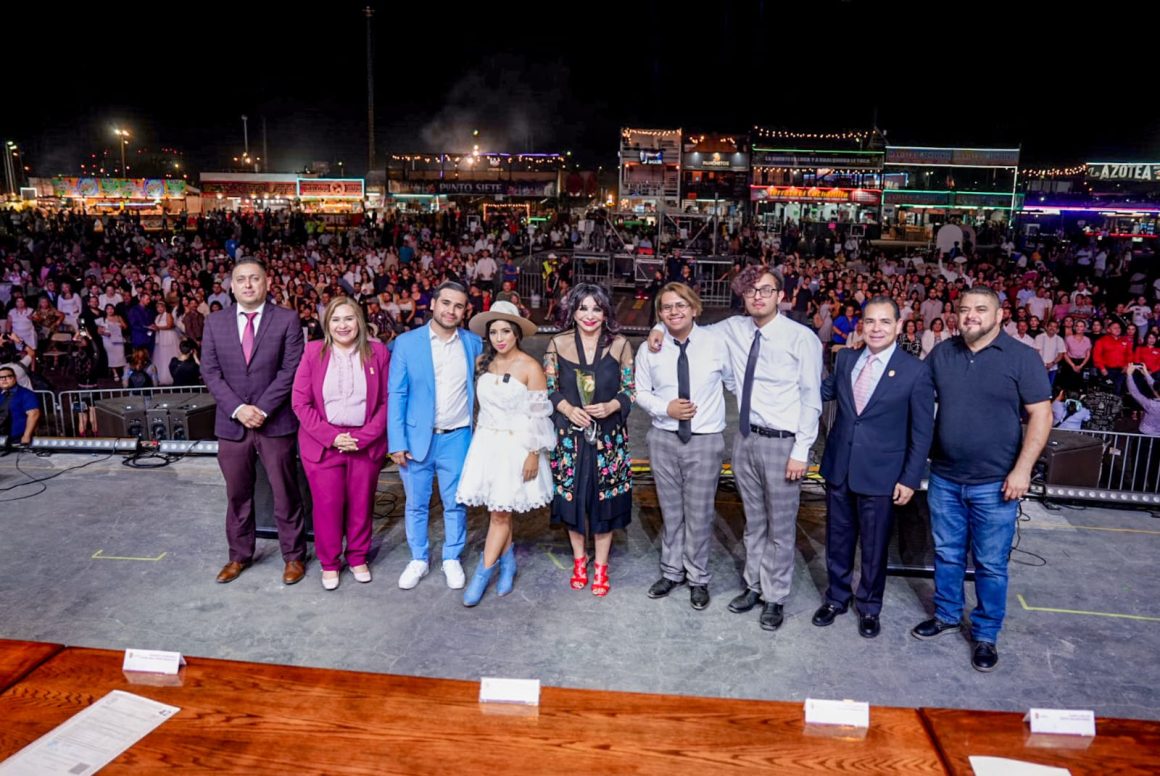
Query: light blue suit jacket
411, 386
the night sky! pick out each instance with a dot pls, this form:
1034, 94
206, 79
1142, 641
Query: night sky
557, 77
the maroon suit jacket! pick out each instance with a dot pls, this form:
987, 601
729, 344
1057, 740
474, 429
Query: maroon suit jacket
265, 382
315, 434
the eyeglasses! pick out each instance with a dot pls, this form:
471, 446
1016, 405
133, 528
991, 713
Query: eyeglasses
764, 292
678, 307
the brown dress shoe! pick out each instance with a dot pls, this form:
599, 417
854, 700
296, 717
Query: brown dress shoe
231, 571
295, 571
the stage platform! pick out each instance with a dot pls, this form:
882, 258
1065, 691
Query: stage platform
114, 557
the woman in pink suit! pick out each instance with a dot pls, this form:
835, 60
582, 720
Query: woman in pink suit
340, 398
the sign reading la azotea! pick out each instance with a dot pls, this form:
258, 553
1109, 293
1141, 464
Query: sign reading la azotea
1124, 171
329, 188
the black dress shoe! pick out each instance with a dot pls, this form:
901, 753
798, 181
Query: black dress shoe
985, 656
868, 626
745, 601
771, 617
934, 627
826, 613
699, 596
662, 587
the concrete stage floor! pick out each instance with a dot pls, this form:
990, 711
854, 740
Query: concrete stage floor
109, 556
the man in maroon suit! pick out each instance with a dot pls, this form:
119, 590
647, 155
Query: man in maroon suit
249, 355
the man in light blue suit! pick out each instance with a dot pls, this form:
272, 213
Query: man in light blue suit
429, 421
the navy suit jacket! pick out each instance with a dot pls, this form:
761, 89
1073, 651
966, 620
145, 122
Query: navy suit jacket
889, 442
265, 382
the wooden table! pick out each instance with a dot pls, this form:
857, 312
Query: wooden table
18, 658
1121, 746
252, 718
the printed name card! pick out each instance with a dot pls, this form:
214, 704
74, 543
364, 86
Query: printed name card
522, 691
152, 661
848, 713
1065, 722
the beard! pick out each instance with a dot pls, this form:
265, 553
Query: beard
972, 337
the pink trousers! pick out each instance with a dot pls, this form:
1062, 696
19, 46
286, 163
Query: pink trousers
343, 488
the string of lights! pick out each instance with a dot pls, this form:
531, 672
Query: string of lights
786, 134
1055, 172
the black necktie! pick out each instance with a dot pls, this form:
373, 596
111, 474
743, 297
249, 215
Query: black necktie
684, 427
747, 385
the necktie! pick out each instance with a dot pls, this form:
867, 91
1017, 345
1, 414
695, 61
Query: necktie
684, 427
747, 385
248, 337
862, 385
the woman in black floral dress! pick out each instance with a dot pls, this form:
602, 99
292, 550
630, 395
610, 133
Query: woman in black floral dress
590, 386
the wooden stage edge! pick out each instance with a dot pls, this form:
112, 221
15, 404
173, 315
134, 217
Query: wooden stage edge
257, 718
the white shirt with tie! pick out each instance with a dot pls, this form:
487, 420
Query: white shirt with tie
709, 369
450, 360
876, 369
787, 386
241, 338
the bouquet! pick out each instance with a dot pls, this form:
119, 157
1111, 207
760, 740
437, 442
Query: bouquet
586, 385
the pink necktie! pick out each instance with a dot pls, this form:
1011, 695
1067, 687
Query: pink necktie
862, 385
248, 337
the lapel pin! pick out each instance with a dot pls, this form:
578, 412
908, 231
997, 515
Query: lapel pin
372, 370
890, 373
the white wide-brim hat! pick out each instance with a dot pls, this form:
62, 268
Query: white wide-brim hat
502, 311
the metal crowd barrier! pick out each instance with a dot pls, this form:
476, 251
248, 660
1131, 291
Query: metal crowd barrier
1131, 462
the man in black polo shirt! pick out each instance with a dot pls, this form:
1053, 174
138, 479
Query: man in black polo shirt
981, 465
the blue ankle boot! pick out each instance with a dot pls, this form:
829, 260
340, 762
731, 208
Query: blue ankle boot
507, 572
478, 584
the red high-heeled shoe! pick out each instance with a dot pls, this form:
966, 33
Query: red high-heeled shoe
579, 573
600, 584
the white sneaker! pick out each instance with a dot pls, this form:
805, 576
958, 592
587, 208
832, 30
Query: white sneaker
416, 570
454, 573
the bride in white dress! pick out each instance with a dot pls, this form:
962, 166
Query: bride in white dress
506, 468
168, 342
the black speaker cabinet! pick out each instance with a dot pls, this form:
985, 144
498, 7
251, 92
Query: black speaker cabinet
266, 526
122, 417
193, 418
1073, 459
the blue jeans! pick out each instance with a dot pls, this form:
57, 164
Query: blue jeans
445, 461
974, 516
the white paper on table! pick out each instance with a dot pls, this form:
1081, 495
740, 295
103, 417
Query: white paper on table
1001, 766
152, 661
90, 739
1067, 722
497, 690
848, 713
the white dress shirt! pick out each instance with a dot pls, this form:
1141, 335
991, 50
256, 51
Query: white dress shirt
709, 368
1049, 347
241, 336
257, 321
787, 387
450, 359
877, 369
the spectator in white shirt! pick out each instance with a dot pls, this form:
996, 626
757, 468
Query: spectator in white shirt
1051, 348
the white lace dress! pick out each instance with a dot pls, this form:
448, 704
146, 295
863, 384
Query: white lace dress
513, 421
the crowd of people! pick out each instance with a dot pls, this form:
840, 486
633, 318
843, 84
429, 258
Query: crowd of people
308, 336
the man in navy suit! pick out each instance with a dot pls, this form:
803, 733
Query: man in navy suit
429, 422
248, 359
874, 459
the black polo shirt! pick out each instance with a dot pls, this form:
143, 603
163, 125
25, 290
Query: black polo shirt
978, 428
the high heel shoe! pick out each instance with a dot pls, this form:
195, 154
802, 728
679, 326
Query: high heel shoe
579, 573
600, 584
475, 589
507, 571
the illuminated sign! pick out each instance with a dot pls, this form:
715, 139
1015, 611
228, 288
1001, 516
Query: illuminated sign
330, 188
1123, 171
652, 157
952, 157
809, 160
813, 194
119, 188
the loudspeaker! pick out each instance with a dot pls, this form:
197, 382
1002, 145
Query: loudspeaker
266, 526
180, 417
123, 417
1071, 458
193, 419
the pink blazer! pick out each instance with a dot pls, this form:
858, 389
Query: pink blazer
315, 434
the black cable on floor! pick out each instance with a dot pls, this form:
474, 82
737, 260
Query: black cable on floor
41, 480
1023, 518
